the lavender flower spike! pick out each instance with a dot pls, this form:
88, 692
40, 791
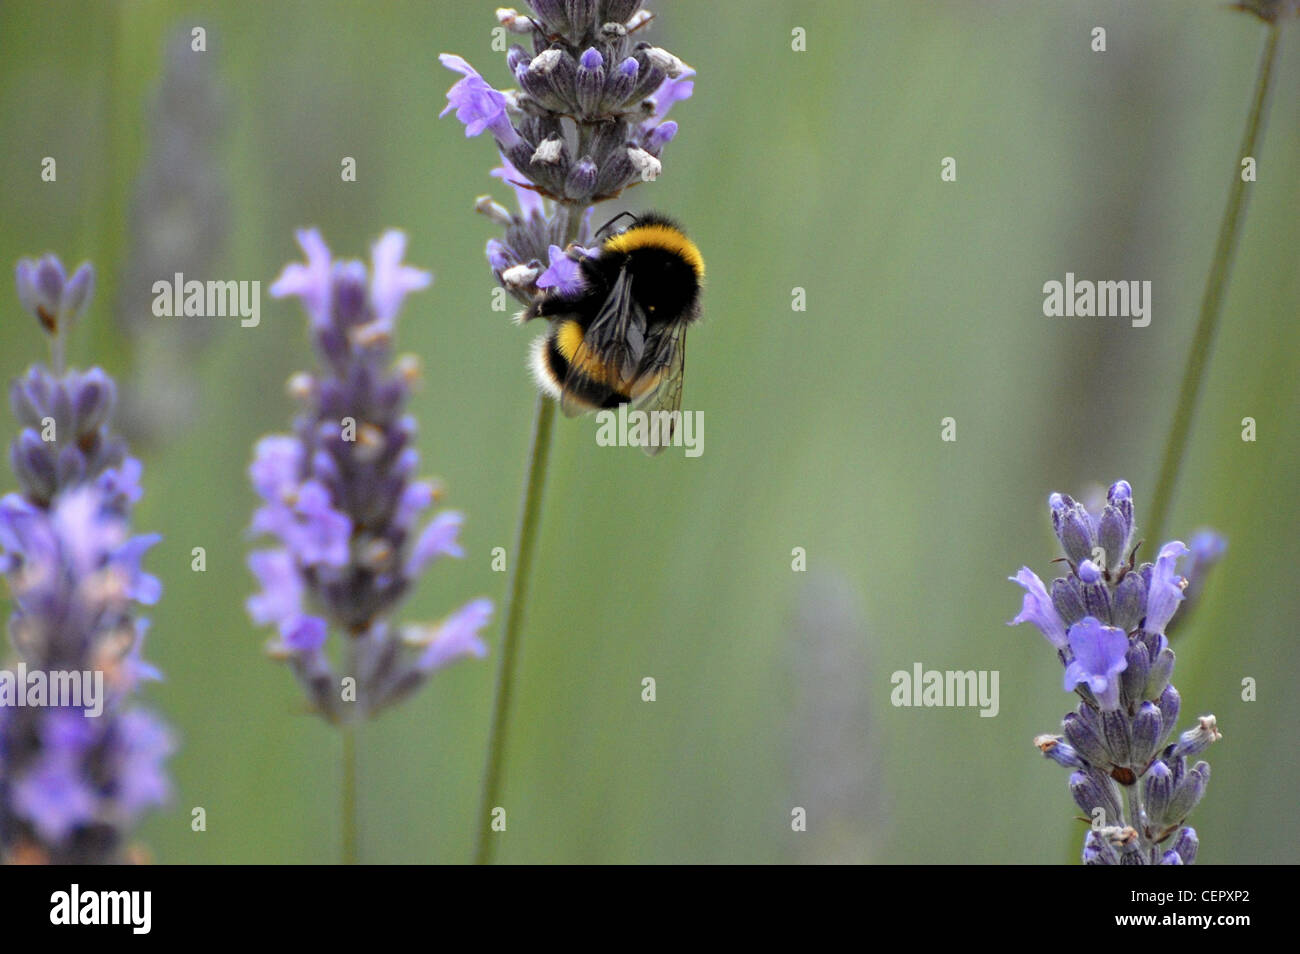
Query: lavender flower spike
587, 120
341, 502
77, 768
1129, 775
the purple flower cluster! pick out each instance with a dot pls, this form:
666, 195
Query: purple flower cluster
78, 767
1107, 620
340, 498
587, 120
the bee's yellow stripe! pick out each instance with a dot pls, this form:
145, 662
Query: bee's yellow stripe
568, 338
658, 236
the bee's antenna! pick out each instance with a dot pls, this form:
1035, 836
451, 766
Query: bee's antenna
629, 215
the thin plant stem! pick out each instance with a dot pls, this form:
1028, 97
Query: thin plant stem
516, 597
351, 840
1212, 301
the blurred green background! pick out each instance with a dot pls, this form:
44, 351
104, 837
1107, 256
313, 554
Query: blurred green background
816, 169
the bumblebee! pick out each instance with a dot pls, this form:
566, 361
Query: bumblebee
621, 337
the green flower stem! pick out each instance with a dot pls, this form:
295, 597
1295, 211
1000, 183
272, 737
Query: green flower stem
351, 846
516, 597
1211, 302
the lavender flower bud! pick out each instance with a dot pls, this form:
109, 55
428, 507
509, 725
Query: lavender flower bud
1072, 526
1092, 790
1169, 702
660, 136
1147, 734
619, 85
590, 83
581, 183
1098, 851
1162, 668
1085, 739
1096, 595
50, 296
1112, 536
1197, 740
1133, 681
552, 15
517, 57
1188, 792
617, 11
1157, 791
1115, 731
1128, 603
1186, 844
1056, 749
1067, 597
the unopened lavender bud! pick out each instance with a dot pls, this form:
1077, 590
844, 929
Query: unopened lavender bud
1115, 732
1147, 734
485, 205
1186, 844
53, 298
1084, 739
660, 136
617, 11
517, 57
552, 13
1162, 669
541, 82
1092, 790
1112, 536
1067, 597
1133, 680
1096, 595
1197, 740
1059, 751
1171, 857
582, 17
590, 82
33, 465
581, 182
497, 257
1157, 791
1188, 792
619, 85
1169, 703
1070, 521
1128, 602
1097, 851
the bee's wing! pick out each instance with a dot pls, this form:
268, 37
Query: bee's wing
669, 353
610, 355
617, 335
